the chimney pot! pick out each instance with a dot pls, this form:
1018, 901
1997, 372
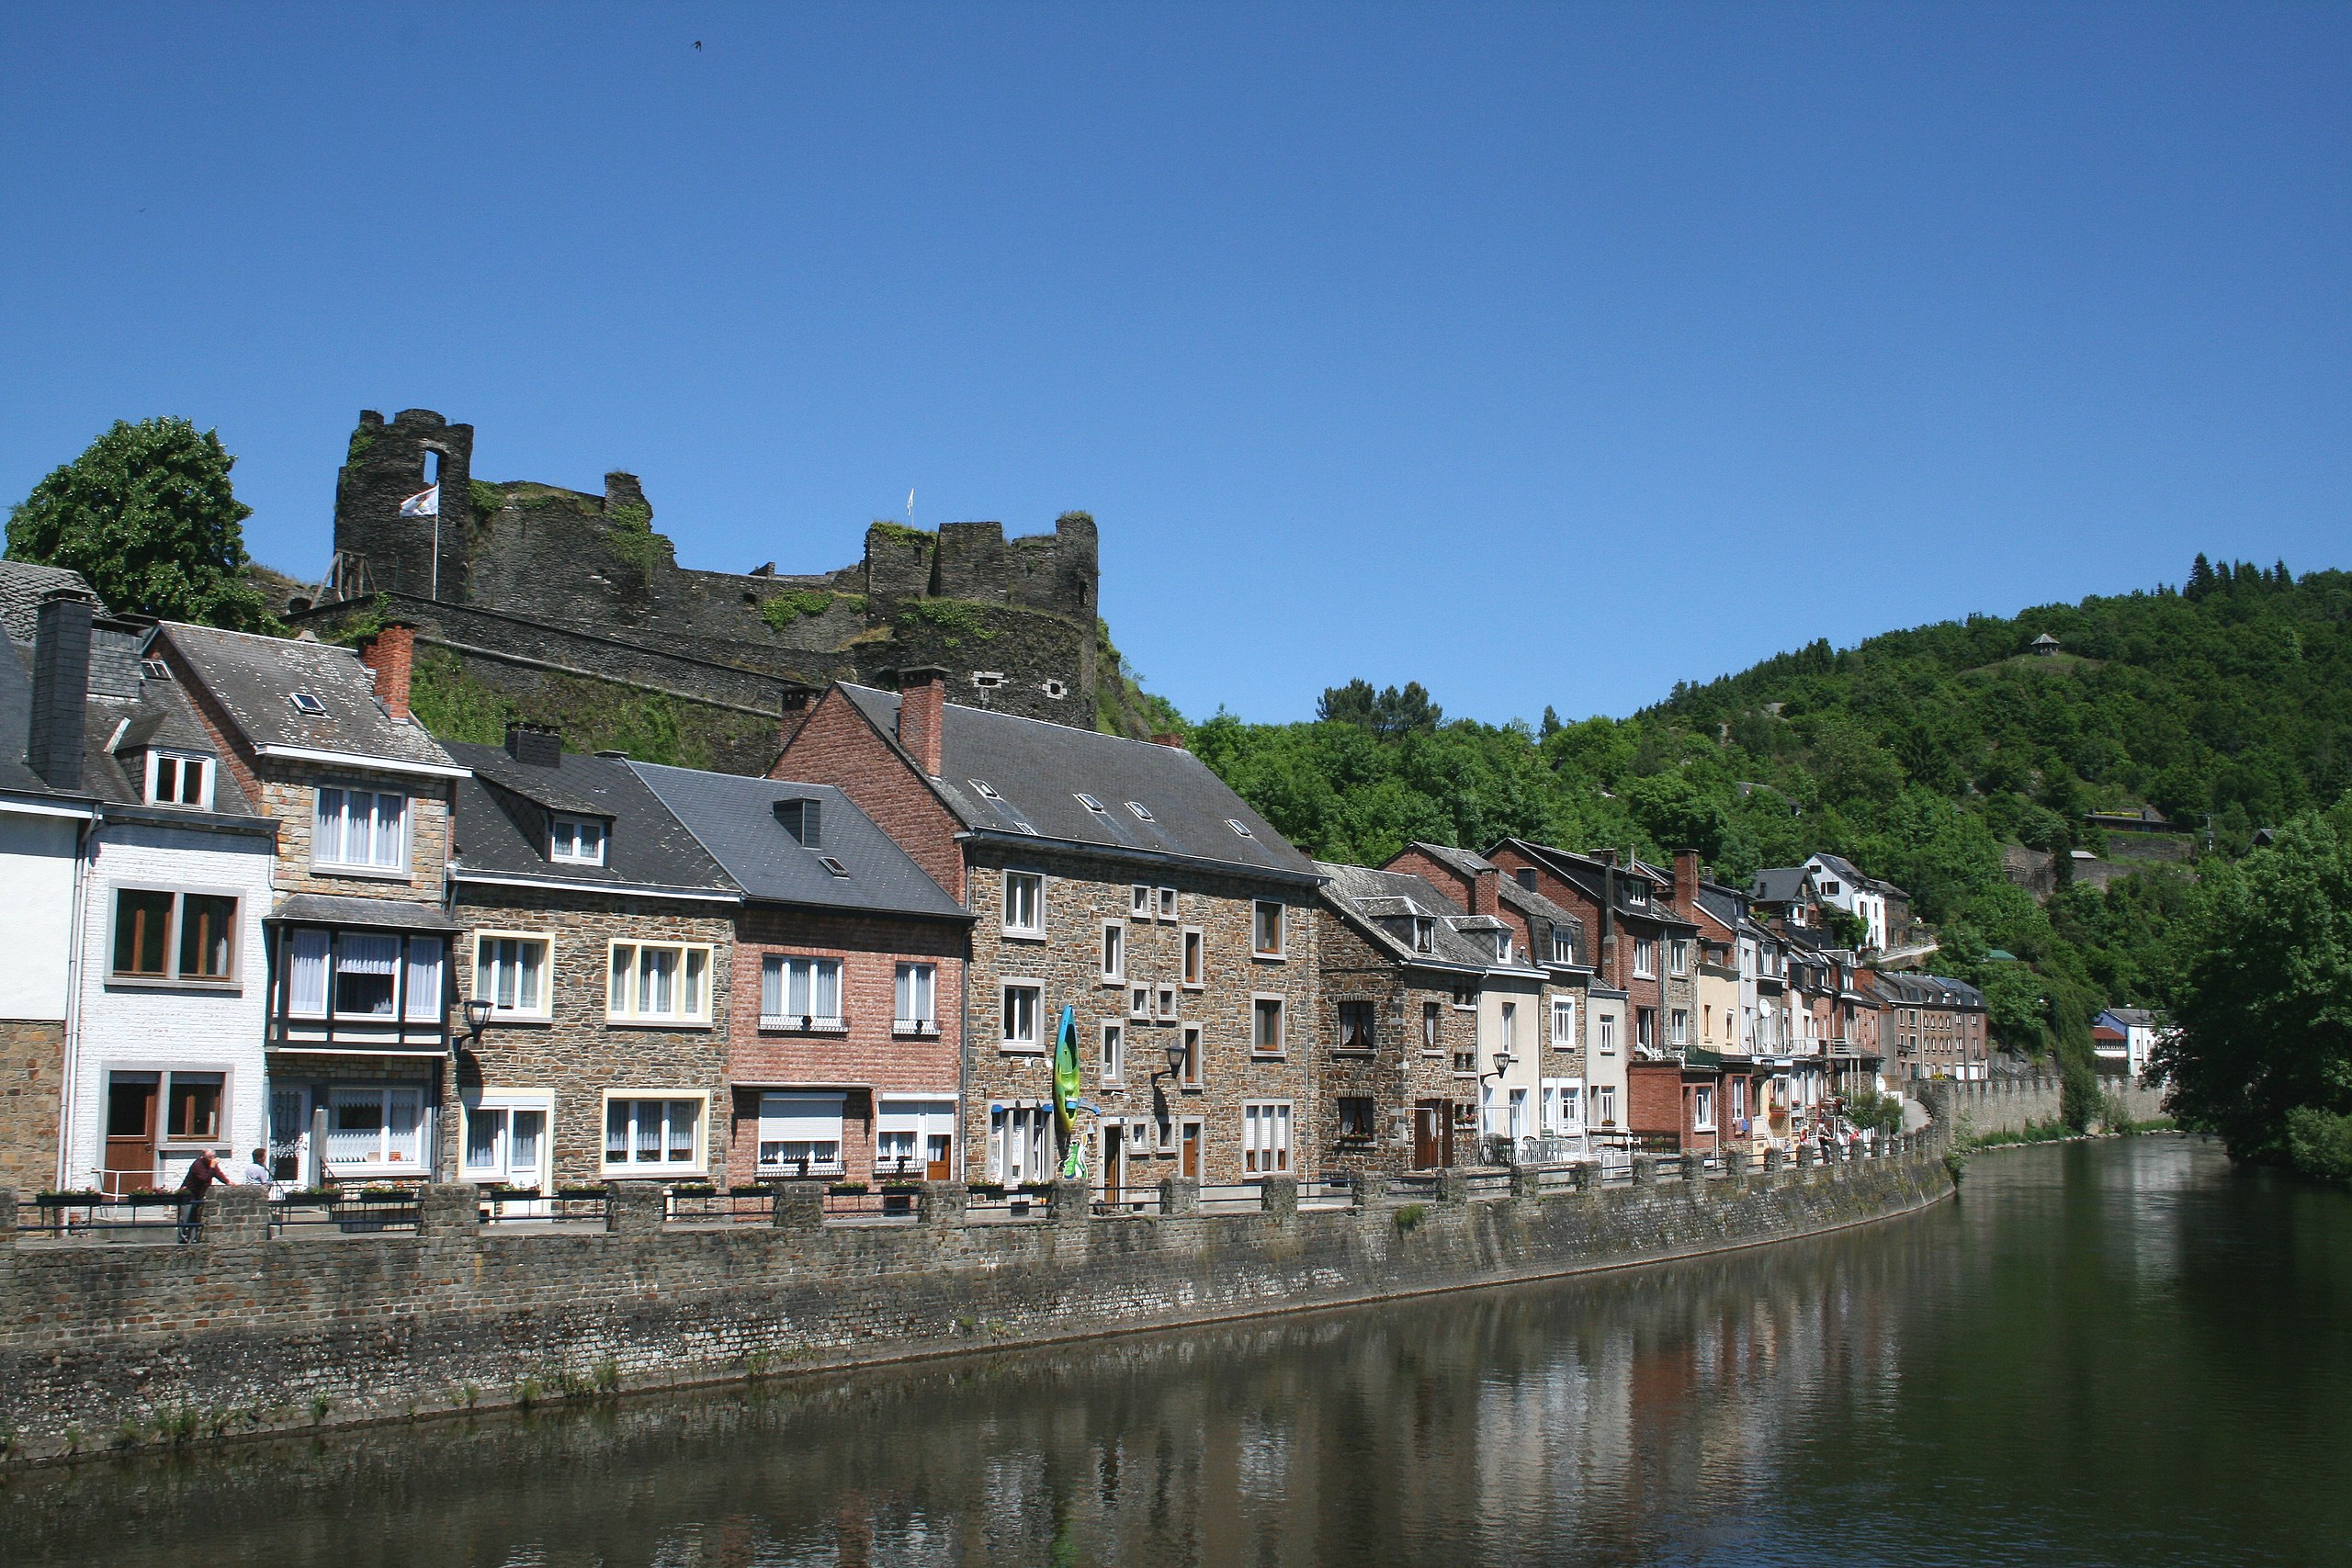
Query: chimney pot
535, 745
922, 703
392, 654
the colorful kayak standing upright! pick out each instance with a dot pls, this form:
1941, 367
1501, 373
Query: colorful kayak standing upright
1065, 1101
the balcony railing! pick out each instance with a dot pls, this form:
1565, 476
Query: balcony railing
805, 1023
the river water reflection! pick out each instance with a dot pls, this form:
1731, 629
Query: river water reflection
2121, 1353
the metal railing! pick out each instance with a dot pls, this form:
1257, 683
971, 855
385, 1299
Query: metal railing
1233, 1197
1333, 1191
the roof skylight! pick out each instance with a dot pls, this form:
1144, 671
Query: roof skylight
307, 705
1239, 826
1092, 803
830, 863
1137, 808
987, 791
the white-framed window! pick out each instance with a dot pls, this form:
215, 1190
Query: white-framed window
1739, 1099
1637, 891
1265, 1138
1114, 952
913, 1136
1702, 1110
1644, 956
1564, 948
1164, 1002
1138, 1001
511, 974
576, 841
800, 992
1424, 934
376, 1127
179, 778
1510, 1027
189, 938
1430, 1024
1359, 1024
1019, 1018
1191, 1037
1268, 1021
1020, 1143
1024, 904
1563, 1105
1563, 1024
1139, 901
1168, 904
659, 982
800, 1134
504, 1136
1604, 1105
1608, 1042
1678, 1026
1114, 1051
916, 1009
366, 976
362, 829
1646, 1028
1678, 956
1196, 966
651, 1130
1266, 929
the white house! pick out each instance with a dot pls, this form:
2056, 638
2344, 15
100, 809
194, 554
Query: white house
1842, 885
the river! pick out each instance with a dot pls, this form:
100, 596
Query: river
2119, 1353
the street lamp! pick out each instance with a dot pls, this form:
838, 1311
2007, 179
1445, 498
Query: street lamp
477, 1011
1174, 1072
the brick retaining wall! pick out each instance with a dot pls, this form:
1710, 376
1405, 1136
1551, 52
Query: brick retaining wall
118, 1345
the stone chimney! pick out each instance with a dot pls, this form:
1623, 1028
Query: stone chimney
922, 703
392, 654
1169, 738
61, 688
535, 745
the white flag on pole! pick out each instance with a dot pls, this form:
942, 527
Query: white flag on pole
423, 504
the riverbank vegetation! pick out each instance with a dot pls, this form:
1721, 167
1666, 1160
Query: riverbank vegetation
2261, 1056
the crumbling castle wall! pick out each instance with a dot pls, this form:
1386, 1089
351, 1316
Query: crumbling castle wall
525, 576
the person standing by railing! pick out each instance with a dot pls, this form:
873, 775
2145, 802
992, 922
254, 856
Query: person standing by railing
202, 1173
257, 1170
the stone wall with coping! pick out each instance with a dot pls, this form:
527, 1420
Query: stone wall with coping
105, 1347
2013, 1104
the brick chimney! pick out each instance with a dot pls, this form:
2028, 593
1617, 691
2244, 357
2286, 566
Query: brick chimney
61, 688
392, 654
798, 701
1686, 880
1169, 738
922, 703
1486, 891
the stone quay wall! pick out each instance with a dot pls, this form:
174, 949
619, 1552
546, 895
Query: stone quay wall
2012, 1104
113, 1346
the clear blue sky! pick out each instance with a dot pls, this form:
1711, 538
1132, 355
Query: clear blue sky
1543, 355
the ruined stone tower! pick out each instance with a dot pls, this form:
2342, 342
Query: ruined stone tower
557, 604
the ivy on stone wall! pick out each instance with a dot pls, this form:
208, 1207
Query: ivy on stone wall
782, 609
954, 618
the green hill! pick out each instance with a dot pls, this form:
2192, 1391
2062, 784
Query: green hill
2226, 705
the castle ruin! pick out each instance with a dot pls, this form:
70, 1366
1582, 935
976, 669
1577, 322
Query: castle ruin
566, 607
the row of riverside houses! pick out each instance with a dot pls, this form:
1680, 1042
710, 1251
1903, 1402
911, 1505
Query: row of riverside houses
256, 904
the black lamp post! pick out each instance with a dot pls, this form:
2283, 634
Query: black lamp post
477, 1011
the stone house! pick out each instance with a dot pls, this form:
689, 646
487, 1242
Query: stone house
1934, 1027
1119, 879
1556, 1067
845, 1042
1402, 1041
601, 936
357, 1021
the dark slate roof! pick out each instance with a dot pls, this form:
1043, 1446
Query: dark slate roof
1589, 873
16, 724
23, 585
1778, 884
1542, 915
323, 908
1365, 896
1461, 860
1038, 770
502, 824
2131, 1017
254, 678
734, 819
117, 733
1722, 904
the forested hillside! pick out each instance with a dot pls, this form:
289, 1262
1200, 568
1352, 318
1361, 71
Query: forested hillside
1917, 754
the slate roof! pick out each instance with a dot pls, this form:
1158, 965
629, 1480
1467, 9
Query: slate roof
2131, 1017
1913, 988
326, 908
254, 678
1365, 894
23, 585
1722, 905
1587, 872
117, 733
734, 818
502, 824
1778, 884
1038, 770
16, 725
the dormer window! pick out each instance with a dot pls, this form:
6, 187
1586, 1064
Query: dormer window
1424, 934
176, 778
308, 706
1502, 946
1637, 892
576, 841
154, 670
804, 820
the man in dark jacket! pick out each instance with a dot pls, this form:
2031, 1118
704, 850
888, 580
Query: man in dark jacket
202, 1173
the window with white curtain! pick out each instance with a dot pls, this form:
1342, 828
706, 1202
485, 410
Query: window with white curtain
800, 993
917, 1009
305, 964
1265, 1138
659, 982
652, 1133
1020, 1144
364, 828
376, 1125
367, 966
511, 975
422, 997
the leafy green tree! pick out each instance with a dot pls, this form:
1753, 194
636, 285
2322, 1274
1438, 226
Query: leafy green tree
2264, 1008
147, 515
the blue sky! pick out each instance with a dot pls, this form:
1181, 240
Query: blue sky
1543, 355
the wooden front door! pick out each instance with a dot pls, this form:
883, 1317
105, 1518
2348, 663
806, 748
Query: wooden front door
132, 1103
936, 1161
1188, 1151
1432, 1135
1114, 1161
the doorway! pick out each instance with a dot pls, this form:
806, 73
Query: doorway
1188, 1151
1115, 1162
1432, 1135
131, 1099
